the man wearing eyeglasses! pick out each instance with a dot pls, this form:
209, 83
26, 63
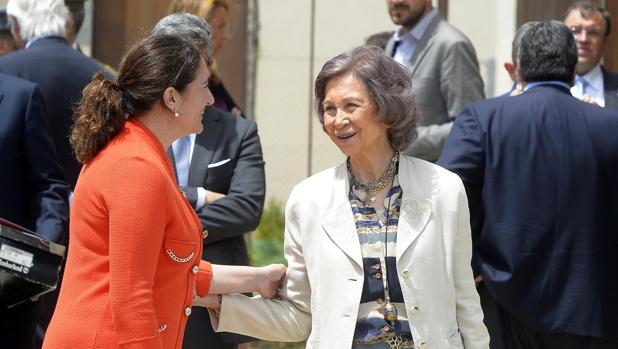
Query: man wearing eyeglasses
591, 26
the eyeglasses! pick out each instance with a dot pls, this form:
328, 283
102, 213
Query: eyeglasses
591, 32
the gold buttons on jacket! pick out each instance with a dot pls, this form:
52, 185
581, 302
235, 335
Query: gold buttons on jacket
422, 344
378, 276
187, 311
405, 274
204, 233
415, 309
195, 269
385, 328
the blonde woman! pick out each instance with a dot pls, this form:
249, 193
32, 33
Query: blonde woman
216, 13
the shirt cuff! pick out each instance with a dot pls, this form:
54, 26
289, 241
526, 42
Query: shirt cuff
204, 278
201, 198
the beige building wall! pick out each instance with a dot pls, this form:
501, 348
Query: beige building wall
284, 79
490, 25
286, 70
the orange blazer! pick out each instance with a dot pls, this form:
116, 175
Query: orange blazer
134, 252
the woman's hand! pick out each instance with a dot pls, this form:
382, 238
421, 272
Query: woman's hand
270, 281
211, 301
212, 196
240, 279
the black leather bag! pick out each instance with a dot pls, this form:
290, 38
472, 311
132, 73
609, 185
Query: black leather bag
29, 264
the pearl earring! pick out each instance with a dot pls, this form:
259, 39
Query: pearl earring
176, 114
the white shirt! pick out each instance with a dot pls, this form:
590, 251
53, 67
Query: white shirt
409, 40
594, 86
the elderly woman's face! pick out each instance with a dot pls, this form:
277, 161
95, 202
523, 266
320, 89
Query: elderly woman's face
350, 117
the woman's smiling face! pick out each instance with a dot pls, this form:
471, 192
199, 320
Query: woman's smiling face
350, 116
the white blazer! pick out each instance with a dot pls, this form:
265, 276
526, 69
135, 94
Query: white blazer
324, 281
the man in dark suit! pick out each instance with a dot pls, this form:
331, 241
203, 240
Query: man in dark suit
591, 26
221, 172
540, 170
61, 74
60, 71
443, 68
32, 188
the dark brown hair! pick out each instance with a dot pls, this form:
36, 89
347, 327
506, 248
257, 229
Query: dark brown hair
150, 67
388, 84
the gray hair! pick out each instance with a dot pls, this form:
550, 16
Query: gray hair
188, 27
388, 84
515, 54
38, 18
548, 52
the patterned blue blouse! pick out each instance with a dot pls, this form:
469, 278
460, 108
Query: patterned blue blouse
371, 228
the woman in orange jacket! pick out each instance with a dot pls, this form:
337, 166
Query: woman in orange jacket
133, 266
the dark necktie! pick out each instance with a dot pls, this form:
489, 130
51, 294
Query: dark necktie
395, 46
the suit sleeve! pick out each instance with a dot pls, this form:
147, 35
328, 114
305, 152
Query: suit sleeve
240, 210
460, 81
468, 306
134, 191
460, 84
464, 154
48, 188
287, 319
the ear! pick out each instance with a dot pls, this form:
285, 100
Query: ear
510, 68
70, 30
171, 98
16, 32
518, 71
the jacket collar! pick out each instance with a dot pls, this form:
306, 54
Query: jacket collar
36, 41
547, 87
338, 221
133, 125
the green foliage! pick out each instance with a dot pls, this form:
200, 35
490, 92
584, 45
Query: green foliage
266, 242
272, 222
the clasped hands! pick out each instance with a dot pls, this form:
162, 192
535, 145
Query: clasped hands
226, 279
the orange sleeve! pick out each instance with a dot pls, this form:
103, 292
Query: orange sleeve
135, 194
204, 278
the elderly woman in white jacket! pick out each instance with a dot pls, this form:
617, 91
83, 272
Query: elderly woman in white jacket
379, 247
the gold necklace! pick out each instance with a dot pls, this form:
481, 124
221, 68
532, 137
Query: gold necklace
371, 188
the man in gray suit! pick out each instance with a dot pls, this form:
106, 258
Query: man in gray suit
443, 67
591, 26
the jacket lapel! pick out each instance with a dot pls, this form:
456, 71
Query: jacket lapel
610, 85
390, 45
424, 45
412, 221
415, 208
338, 222
204, 148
